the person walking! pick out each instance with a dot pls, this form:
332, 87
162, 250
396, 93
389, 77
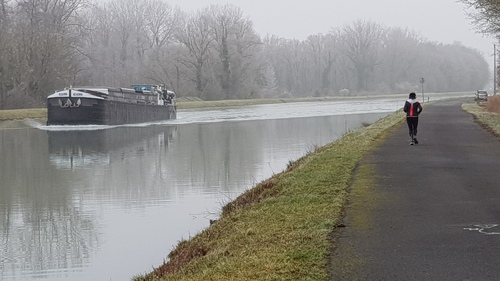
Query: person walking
413, 108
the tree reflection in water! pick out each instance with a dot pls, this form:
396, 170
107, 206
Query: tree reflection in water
109, 203
48, 228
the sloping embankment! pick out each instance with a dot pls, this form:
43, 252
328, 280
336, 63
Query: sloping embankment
280, 229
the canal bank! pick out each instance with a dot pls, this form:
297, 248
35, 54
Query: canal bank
282, 228
117, 184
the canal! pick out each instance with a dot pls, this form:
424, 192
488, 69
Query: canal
110, 202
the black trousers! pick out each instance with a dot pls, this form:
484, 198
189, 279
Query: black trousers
412, 125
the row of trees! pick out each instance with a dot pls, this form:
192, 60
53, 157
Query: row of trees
213, 53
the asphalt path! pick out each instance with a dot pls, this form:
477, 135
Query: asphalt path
436, 210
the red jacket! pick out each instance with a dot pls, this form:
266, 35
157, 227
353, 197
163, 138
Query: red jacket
412, 108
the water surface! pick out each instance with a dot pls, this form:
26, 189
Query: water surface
110, 202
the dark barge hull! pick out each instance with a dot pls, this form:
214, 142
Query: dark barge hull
106, 112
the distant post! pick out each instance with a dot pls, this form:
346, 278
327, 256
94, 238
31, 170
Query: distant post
422, 82
494, 69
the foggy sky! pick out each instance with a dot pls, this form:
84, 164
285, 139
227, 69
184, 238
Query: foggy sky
443, 21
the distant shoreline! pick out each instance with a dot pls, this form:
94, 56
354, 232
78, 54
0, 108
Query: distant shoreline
188, 103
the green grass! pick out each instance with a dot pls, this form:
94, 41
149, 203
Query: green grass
280, 229
16, 114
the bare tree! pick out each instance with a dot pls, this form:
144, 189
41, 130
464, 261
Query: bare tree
161, 22
127, 40
399, 59
245, 62
43, 35
361, 46
486, 16
232, 34
96, 45
322, 50
293, 59
122, 13
196, 36
223, 18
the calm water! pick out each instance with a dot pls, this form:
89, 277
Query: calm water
108, 203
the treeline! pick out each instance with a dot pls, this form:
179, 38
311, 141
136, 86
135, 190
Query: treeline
213, 53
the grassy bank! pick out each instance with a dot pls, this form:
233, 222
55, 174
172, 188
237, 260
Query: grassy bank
281, 228
16, 114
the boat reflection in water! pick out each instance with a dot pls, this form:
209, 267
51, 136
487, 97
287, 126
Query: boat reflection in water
77, 149
52, 222
107, 203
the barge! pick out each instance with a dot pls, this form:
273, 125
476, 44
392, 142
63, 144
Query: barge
110, 106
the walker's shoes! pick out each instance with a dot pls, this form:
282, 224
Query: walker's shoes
415, 140
411, 143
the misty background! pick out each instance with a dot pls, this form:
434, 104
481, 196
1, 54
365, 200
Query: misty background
214, 52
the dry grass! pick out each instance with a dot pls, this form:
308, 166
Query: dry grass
493, 104
487, 115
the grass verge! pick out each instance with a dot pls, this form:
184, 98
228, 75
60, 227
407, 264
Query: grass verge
487, 119
15, 114
280, 229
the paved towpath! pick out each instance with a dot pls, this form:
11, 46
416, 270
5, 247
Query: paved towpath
436, 212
